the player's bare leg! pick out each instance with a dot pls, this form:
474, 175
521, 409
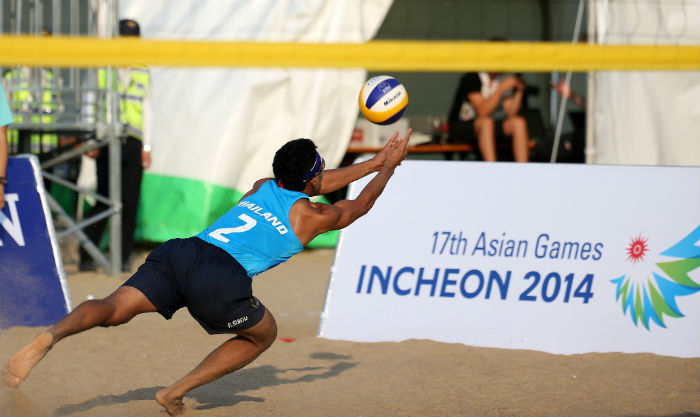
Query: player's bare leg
232, 355
118, 308
17, 369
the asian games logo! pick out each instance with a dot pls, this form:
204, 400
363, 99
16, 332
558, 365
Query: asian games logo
649, 294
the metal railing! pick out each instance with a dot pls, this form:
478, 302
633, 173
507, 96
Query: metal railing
79, 112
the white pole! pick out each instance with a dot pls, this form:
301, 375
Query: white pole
590, 92
562, 103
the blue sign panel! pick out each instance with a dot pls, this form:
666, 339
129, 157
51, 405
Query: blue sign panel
33, 291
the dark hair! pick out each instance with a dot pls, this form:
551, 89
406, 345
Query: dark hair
128, 27
293, 161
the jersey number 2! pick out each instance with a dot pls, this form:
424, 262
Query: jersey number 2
249, 223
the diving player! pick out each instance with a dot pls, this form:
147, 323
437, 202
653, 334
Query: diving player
211, 273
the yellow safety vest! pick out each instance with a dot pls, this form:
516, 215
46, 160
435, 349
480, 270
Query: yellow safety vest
130, 98
23, 103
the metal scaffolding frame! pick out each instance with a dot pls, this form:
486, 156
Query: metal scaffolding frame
82, 110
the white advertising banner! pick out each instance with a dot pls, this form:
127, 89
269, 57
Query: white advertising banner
558, 258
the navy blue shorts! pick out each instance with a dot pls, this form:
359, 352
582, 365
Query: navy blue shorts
202, 277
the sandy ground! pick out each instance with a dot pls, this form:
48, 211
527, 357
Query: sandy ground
117, 371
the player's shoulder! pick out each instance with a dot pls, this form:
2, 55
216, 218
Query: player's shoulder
260, 182
308, 208
310, 218
308, 205
256, 186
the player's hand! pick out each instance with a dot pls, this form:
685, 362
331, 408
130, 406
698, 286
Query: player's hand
2, 196
397, 150
380, 157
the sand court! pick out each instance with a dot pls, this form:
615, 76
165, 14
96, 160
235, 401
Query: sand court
117, 371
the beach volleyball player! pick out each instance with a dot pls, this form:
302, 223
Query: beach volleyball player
211, 273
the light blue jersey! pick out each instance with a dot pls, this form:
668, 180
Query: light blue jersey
256, 232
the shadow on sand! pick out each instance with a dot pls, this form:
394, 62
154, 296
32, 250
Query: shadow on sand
224, 392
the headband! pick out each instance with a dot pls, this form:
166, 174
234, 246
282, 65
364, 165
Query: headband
315, 170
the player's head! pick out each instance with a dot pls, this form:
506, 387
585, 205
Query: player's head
296, 164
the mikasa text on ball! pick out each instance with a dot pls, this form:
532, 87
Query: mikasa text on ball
383, 100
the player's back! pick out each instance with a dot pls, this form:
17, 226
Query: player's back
257, 231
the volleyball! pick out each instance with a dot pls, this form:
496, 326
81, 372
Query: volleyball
383, 99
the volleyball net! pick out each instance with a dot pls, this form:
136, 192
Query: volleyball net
443, 56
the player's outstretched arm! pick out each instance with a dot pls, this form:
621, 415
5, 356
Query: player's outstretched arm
311, 219
335, 179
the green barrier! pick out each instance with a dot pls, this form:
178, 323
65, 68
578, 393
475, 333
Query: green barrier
172, 207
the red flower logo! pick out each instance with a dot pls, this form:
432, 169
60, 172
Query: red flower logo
637, 249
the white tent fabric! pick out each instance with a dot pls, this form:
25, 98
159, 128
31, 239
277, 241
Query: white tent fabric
646, 118
223, 125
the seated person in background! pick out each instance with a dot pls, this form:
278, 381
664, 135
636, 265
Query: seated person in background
572, 144
564, 90
471, 115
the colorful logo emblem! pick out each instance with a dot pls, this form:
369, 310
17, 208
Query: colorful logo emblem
653, 295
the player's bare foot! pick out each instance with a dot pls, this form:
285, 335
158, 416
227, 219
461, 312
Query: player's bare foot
174, 406
19, 366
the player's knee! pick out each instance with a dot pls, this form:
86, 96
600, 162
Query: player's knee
116, 321
103, 310
263, 334
119, 316
271, 334
267, 336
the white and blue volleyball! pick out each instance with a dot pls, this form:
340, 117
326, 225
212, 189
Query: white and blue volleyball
383, 100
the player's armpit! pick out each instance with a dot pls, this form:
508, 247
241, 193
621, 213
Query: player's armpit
340, 215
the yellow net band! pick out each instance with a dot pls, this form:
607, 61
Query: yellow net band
447, 56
